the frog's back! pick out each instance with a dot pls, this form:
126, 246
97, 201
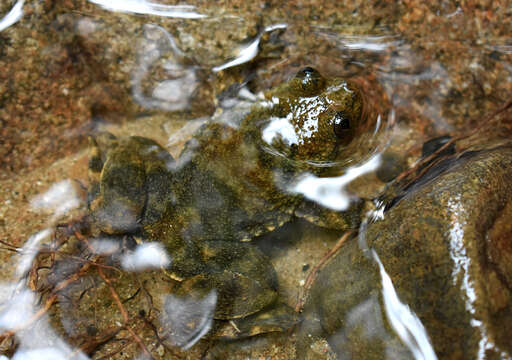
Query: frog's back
230, 186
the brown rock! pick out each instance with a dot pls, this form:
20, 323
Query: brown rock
446, 247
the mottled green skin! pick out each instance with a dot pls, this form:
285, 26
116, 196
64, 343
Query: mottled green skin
228, 184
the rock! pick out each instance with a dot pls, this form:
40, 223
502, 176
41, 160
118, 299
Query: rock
447, 249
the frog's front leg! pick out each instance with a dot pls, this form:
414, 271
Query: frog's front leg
130, 182
330, 219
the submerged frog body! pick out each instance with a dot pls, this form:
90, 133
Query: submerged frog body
228, 185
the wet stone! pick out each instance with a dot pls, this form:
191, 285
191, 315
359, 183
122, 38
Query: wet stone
446, 248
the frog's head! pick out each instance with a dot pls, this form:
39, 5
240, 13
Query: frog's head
313, 117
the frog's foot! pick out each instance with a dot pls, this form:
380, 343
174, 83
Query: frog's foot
278, 318
241, 275
130, 182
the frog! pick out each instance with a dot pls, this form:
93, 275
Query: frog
228, 186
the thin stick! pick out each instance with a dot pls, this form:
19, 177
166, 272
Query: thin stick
114, 352
98, 340
48, 303
314, 272
124, 313
9, 245
485, 123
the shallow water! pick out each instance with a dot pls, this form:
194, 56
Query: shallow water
160, 71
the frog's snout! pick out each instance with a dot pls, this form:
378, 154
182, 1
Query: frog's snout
308, 81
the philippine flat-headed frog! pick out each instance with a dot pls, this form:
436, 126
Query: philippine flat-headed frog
228, 186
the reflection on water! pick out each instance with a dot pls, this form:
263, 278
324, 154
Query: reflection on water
225, 187
20, 309
330, 192
146, 256
280, 128
157, 49
104, 246
59, 200
13, 16
30, 250
405, 322
36, 339
461, 273
150, 8
187, 320
367, 43
249, 51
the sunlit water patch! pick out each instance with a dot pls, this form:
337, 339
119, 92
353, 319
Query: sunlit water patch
150, 8
13, 15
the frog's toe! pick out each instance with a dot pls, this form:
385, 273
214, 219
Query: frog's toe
277, 318
97, 153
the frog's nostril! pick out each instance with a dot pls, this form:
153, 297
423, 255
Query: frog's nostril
309, 81
307, 71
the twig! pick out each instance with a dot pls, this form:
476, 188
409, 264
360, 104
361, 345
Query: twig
100, 339
423, 171
48, 303
153, 328
9, 246
114, 352
486, 122
124, 313
314, 272
131, 297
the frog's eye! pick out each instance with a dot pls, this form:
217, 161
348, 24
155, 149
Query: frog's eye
310, 81
342, 124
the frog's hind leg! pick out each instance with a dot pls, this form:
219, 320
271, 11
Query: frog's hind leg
241, 275
246, 286
129, 183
